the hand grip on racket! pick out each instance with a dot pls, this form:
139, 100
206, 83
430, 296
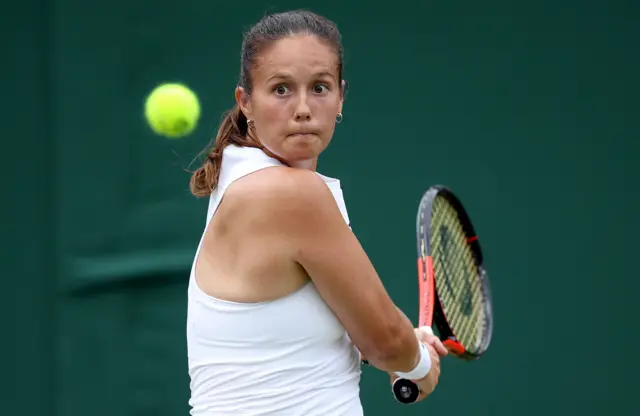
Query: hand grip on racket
404, 390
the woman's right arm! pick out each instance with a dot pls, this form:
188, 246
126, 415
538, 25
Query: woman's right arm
302, 212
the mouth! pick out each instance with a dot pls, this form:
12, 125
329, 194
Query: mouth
303, 134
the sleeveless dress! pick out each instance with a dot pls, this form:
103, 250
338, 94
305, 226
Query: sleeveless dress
289, 356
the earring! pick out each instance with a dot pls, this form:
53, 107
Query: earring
339, 118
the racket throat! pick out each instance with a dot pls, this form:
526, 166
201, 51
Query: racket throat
454, 347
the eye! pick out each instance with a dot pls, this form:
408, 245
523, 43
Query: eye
281, 89
320, 88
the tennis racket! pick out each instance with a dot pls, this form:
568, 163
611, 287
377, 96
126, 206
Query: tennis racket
455, 296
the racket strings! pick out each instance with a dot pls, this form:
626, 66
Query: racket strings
457, 281
461, 299
466, 291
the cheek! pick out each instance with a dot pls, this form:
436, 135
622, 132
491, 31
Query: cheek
329, 111
270, 111
270, 119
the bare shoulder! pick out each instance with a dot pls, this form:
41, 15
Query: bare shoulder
293, 213
282, 189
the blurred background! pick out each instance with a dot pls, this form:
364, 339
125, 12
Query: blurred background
528, 110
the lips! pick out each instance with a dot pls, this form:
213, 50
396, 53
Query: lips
303, 133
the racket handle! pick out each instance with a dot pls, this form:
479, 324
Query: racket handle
405, 391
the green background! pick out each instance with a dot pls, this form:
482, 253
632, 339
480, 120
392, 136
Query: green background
528, 110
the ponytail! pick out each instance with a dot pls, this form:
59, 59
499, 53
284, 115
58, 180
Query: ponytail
232, 130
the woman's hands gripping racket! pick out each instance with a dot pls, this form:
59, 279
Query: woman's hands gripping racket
436, 351
455, 296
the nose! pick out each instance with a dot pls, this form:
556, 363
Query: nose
302, 110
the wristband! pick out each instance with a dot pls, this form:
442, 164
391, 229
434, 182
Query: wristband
421, 369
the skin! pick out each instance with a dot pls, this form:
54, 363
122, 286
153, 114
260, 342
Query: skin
294, 102
279, 228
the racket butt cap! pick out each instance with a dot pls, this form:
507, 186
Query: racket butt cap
405, 391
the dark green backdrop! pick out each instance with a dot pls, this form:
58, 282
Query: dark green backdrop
529, 111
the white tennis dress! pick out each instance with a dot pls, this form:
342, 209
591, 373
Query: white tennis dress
289, 356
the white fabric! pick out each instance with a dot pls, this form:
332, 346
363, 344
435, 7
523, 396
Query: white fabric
422, 368
290, 356
424, 364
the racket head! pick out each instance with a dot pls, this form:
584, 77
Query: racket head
455, 295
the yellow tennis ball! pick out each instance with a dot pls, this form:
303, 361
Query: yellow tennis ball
172, 110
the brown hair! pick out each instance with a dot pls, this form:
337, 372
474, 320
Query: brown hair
234, 127
232, 130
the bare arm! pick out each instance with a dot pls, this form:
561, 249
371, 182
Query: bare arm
303, 213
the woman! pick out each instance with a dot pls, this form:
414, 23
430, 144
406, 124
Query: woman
282, 297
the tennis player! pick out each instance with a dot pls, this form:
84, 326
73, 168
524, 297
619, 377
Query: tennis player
282, 297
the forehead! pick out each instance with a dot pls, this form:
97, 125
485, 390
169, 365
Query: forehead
297, 53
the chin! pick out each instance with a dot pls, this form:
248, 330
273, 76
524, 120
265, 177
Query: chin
305, 147
301, 158
301, 153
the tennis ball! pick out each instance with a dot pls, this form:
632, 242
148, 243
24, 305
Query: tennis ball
172, 110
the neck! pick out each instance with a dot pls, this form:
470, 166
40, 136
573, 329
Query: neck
309, 164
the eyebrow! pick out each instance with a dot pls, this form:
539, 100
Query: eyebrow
282, 75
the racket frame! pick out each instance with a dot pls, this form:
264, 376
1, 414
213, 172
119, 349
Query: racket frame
431, 308
431, 312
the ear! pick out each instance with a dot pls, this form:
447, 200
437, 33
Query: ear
244, 102
343, 92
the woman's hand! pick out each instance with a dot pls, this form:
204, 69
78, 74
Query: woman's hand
436, 350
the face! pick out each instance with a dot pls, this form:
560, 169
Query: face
295, 99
